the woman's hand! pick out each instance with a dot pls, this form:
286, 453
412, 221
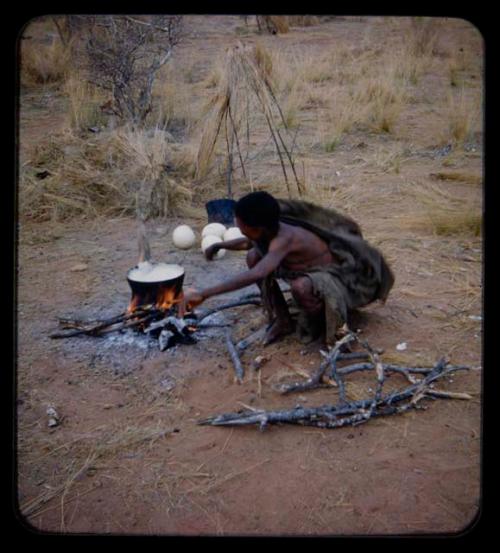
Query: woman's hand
190, 300
211, 251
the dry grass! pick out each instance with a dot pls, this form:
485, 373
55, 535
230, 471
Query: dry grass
422, 36
303, 20
244, 100
464, 116
42, 64
442, 214
458, 176
80, 457
84, 109
380, 99
277, 22
358, 90
325, 95
102, 177
173, 104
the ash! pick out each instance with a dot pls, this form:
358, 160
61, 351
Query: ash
128, 338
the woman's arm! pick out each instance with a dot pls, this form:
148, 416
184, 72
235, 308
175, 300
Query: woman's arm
263, 268
238, 244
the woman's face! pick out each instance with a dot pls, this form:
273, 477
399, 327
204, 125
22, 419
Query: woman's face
253, 233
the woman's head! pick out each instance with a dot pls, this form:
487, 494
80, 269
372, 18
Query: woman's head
257, 213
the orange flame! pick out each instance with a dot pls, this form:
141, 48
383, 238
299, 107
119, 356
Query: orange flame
165, 299
134, 304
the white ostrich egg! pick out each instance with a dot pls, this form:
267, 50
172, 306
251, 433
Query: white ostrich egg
183, 237
232, 233
215, 229
210, 239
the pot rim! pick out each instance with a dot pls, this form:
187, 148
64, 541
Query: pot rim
153, 282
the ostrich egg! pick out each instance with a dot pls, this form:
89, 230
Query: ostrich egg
183, 237
215, 229
208, 241
232, 233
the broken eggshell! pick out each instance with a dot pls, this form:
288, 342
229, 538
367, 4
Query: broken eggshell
54, 418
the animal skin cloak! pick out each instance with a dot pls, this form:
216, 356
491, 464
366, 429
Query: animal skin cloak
359, 276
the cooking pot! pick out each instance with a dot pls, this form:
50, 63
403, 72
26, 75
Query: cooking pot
154, 292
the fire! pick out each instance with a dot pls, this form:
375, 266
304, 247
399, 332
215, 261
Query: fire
168, 298
134, 304
162, 297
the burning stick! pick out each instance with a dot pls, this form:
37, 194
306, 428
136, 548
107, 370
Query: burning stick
140, 315
179, 324
238, 367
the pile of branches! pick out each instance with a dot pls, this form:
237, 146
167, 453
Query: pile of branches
148, 319
350, 412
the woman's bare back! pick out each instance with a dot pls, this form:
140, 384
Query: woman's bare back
305, 249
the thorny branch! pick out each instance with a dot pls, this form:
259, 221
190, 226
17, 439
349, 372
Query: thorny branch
336, 416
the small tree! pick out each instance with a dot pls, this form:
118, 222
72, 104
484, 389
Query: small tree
125, 54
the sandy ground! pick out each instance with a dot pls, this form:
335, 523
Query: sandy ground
128, 455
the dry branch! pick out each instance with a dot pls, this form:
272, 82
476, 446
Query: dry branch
123, 320
236, 303
333, 416
235, 358
316, 380
251, 339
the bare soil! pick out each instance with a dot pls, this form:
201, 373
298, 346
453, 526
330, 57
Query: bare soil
128, 455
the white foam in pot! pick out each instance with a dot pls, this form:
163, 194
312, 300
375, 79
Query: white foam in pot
147, 272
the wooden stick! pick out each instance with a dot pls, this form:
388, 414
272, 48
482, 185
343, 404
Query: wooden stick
447, 395
141, 315
229, 305
238, 367
379, 369
336, 376
315, 380
251, 339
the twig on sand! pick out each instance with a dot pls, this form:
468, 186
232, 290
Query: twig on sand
235, 358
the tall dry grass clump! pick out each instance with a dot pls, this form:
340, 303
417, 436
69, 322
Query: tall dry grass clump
275, 24
414, 55
114, 174
343, 116
464, 116
422, 36
42, 64
380, 100
84, 103
173, 106
303, 20
441, 213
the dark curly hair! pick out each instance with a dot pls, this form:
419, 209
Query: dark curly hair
258, 209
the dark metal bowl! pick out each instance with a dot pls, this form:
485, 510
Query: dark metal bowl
221, 211
149, 292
